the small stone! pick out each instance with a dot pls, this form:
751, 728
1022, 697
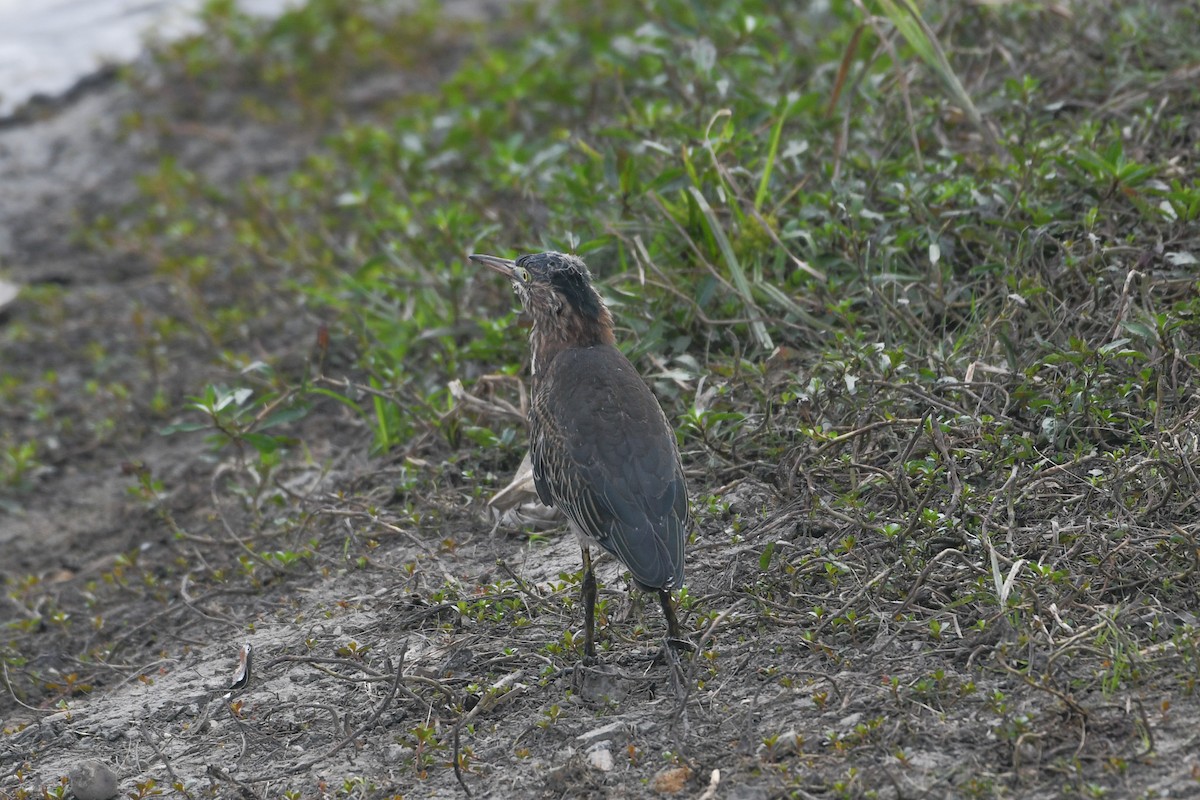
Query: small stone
54, 719
92, 780
614, 731
849, 722
8, 293
600, 757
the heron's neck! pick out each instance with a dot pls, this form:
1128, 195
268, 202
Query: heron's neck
550, 337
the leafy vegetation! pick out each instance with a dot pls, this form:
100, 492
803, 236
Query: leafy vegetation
919, 291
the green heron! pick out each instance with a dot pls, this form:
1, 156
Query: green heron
602, 450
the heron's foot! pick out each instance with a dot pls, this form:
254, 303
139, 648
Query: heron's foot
671, 650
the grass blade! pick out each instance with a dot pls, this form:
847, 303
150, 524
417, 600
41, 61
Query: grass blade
757, 327
912, 26
761, 195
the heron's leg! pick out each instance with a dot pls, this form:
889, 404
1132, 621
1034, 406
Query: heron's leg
588, 595
675, 634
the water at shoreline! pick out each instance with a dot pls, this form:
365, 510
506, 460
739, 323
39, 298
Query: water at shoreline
47, 46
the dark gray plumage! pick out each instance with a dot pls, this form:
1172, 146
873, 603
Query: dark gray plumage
602, 453
602, 450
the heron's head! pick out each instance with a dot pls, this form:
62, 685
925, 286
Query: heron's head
552, 287
557, 293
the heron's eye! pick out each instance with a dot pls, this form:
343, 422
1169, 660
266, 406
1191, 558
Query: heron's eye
523, 274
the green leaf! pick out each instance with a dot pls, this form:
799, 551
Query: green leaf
764, 561
341, 398
182, 427
284, 415
264, 443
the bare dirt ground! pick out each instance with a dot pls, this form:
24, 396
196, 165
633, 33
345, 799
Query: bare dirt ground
418, 650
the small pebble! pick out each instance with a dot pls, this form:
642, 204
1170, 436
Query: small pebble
8, 293
614, 730
600, 757
92, 780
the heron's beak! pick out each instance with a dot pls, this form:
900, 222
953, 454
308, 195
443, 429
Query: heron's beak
504, 266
